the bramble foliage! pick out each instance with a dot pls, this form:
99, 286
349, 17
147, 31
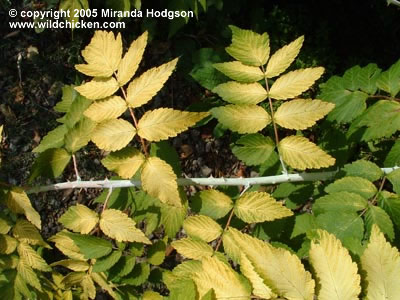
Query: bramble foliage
292, 241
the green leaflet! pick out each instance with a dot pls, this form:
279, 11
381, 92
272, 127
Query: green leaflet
212, 203
394, 178
90, 246
364, 169
253, 149
50, 163
376, 215
393, 157
389, 81
53, 139
341, 202
106, 262
391, 204
353, 184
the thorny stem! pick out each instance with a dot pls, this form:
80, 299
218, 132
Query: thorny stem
273, 122
78, 178
229, 221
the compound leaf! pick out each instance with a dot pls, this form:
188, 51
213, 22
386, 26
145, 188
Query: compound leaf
298, 152
25, 232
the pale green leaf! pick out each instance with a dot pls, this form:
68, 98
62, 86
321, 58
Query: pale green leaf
394, 178
294, 83
28, 275
283, 58
121, 227
253, 149
98, 88
124, 162
156, 253
254, 207
376, 215
212, 203
202, 227
53, 139
18, 202
90, 246
109, 108
79, 218
142, 89
389, 81
50, 163
163, 123
80, 135
249, 47
25, 232
339, 201
242, 118
300, 114
112, 135
172, 218
75, 112
240, 72
363, 168
193, 249
68, 96
7, 244
352, 184
241, 93
298, 152
32, 258
303, 224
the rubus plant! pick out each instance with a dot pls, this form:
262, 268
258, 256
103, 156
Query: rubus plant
329, 242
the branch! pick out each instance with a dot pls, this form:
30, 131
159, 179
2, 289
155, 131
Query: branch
107, 184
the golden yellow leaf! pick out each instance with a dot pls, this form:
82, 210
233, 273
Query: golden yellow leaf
66, 245
381, 264
336, 272
281, 270
79, 218
30, 256
249, 47
124, 162
109, 108
113, 135
241, 93
142, 89
283, 58
119, 226
298, 152
102, 55
240, 72
260, 289
294, 83
28, 275
129, 64
300, 114
18, 202
72, 264
24, 231
193, 249
162, 123
88, 287
256, 207
248, 118
98, 88
159, 180
202, 227
7, 244
222, 279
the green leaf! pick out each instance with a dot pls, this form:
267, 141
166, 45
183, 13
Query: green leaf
342, 224
172, 218
350, 78
241, 93
167, 153
303, 224
79, 218
156, 253
202, 227
367, 78
249, 47
68, 96
391, 204
106, 262
138, 276
376, 215
53, 139
255, 207
125, 162
90, 246
80, 135
182, 289
364, 169
75, 112
212, 203
242, 118
50, 163
341, 202
393, 157
123, 267
240, 72
394, 178
348, 108
357, 185
389, 81
254, 149
193, 249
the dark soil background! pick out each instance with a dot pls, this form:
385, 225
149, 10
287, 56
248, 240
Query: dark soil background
34, 67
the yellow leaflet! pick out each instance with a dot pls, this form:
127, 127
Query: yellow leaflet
18, 202
28, 275
102, 55
66, 245
381, 263
241, 93
202, 227
79, 218
249, 47
121, 227
298, 152
88, 286
7, 244
114, 134
300, 114
283, 58
27, 254
24, 231
242, 118
110, 108
220, 277
159, 180
336, 272
129, 64
72, 264
259, 207
240, 72
162, 123
98, 88
142, 89
294, 83
193, 249
124, 162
